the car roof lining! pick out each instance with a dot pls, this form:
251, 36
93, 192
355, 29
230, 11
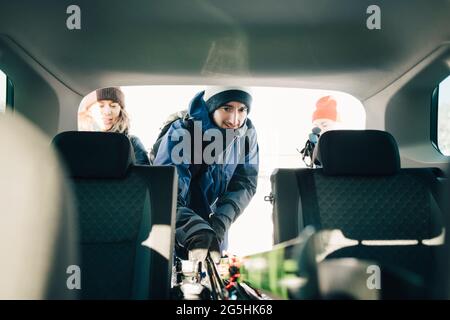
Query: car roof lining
297, 43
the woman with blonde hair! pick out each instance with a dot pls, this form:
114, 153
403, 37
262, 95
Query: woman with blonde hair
110, 103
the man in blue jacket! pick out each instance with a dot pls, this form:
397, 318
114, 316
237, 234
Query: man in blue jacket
213, 190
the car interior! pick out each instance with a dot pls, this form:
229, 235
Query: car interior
75, 202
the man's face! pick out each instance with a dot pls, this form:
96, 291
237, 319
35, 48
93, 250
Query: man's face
231, 115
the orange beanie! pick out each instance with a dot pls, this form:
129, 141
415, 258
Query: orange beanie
325, 109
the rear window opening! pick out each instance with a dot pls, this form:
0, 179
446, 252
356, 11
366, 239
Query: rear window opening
3, 91
283, 117
443, 116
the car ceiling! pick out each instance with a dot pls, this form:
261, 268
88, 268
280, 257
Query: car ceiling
295, 43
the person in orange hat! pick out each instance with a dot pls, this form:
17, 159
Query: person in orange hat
324, 119
325, 115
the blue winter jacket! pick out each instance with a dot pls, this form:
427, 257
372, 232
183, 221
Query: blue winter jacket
140, 154
224, 189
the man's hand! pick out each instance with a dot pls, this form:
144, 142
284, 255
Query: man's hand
218, 227
214, 250
202, 242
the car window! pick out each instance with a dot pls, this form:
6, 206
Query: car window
443, 122
3, 90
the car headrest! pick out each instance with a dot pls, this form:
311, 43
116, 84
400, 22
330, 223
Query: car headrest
95, 154
358, 153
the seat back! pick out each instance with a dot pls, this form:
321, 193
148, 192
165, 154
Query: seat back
127, 215
37, 216
362, 191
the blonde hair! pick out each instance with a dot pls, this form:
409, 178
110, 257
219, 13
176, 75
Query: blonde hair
122, 124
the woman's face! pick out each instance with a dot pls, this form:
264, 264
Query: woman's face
110, 112
231, 115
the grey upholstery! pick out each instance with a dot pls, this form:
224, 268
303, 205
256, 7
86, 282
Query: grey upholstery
402, 204
395, 207
95, 154
372, 208
119, 213
358, 153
